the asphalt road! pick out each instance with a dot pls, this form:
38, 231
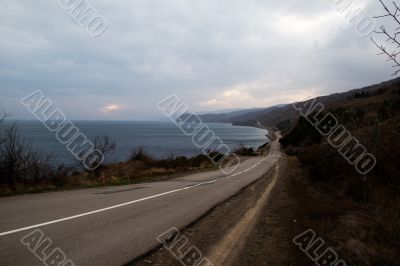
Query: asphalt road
114, 225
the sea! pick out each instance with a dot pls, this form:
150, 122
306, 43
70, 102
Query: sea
160, 139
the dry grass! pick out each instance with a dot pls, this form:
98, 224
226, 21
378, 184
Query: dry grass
362, 234
129, 172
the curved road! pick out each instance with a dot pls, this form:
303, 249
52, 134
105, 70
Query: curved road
114, 225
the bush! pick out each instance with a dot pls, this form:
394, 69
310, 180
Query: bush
302, 134
284, 125
243, 151
140, 155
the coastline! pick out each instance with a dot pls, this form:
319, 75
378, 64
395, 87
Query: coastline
270, 134
128, 171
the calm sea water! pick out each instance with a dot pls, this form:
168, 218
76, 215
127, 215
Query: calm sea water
160, 139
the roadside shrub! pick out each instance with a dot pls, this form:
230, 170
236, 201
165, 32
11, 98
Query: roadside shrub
140, 155
215, 156
303, 134
172, 162
244, 151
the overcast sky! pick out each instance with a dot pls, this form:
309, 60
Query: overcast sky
214, 54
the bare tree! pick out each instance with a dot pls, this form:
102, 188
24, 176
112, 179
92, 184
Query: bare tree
19, 162
105, 145
391, 35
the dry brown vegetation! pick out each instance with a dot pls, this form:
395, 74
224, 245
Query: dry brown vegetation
129, 172
359, 217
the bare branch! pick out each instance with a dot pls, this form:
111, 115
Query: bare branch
391, 37
390, 56
391, 14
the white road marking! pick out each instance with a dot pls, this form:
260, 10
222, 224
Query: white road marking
126, 203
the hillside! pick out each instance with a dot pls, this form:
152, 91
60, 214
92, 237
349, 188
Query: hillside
283, 116
251, 117
224, 116
358, 214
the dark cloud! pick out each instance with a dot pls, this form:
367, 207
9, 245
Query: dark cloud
214, 54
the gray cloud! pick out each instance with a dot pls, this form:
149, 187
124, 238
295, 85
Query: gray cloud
214, 54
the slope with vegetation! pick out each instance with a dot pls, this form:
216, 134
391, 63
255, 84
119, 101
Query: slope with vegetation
358, 215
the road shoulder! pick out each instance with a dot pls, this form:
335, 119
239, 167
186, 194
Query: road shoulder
270, 240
